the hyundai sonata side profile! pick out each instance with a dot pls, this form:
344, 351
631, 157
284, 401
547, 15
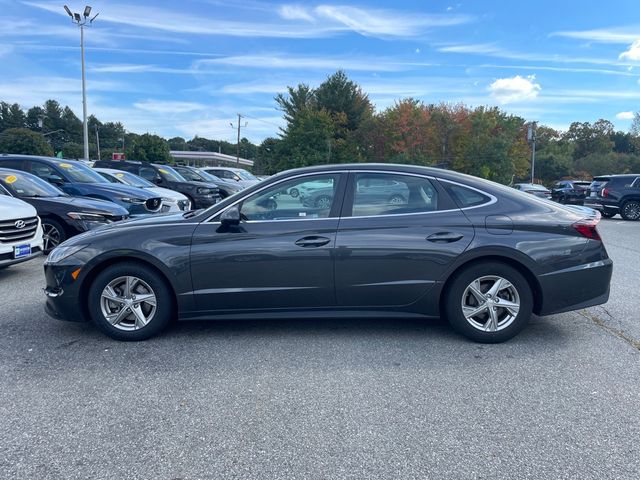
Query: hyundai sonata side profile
480, 254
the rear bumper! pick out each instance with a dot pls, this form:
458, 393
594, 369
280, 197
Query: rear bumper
588, 286
600, 205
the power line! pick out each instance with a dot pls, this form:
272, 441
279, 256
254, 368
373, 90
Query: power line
238, 144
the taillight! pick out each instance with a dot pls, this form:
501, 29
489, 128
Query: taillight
605, 192
587, 228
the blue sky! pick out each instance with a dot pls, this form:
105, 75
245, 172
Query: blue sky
186, 68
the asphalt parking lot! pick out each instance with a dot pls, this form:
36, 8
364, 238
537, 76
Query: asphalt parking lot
324, 399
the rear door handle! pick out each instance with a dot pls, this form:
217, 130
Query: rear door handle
312, 241
445, 237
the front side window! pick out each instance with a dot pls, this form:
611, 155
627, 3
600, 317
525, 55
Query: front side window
315, 199
392, 194
76, 172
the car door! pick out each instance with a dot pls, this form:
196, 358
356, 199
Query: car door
392, 253
280, 255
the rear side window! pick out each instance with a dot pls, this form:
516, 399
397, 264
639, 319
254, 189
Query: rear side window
392, 194
466, 197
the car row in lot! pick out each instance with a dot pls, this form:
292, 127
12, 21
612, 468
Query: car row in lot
70, 197
435, 243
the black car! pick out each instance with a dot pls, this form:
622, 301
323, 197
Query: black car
612, 194
200, 194
78, 180
193, 174
534, 189
570, 191
481, 254
62, 216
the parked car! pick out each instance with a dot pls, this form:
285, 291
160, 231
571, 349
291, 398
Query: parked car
483, 255
78, 180
172, 201
200, 194
226, 187
533, 189
570, 191
61, 215
612, 194
239, 175
20, 231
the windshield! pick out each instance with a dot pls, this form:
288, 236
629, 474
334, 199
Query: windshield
79, 173
131, 179
191, 175
24, 185
170, 174
244, 175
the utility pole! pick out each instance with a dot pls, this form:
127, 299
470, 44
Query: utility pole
531, 138
97, 140
81, 21
238, 144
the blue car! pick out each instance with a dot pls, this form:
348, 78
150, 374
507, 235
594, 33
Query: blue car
78, 180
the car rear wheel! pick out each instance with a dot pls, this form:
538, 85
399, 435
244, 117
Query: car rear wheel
130, 302
294, 192
397, 200
488, 302
323, 202
631, 210
53, 234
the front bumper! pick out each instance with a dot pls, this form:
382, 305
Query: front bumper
63, 293
7, 259
205, 201
601, 205
575, 288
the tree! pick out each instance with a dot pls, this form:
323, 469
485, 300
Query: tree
25, 142
339, 95
296, 101
150, 148
177, 143
590, 138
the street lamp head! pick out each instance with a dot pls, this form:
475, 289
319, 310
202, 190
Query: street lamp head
77, 17
66, 9
87, 11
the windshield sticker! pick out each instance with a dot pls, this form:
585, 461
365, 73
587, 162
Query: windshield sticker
119, 175
65, 165
162, 170
11, 179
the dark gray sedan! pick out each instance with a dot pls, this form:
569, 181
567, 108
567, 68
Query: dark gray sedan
483, 255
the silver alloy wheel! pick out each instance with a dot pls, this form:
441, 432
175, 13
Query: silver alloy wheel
632, 210
128, 303
490, 303
397, 200
323, 203
50, 237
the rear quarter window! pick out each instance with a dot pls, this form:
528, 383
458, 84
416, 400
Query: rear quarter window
466, 197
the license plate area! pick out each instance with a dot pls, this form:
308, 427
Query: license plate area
20, 251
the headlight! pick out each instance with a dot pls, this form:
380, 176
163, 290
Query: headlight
90, 217
131, 200
204, 191
60, 253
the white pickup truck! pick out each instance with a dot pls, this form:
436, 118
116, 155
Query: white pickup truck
20, 231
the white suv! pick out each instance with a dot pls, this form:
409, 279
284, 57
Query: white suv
20, 231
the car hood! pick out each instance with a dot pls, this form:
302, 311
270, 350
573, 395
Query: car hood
85, 203
119, 189
13, 208
166, 193
195, 184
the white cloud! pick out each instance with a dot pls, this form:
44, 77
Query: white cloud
633, 54
625, 116
294, 12
601, 35
514, 89
5, 50
162, 106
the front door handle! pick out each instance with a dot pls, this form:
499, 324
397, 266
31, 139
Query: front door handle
312, 241
445, 237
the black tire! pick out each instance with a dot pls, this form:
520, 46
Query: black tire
562, 200
294, 193
53, 234
193, 204
457, 292
164, 308
630, 210
607, 214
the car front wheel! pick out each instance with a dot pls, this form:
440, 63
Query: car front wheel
130, 302
488, 302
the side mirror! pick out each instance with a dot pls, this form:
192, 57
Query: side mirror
231, 216
237, 178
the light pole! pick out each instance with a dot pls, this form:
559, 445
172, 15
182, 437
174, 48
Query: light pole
81, 21
531, 137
